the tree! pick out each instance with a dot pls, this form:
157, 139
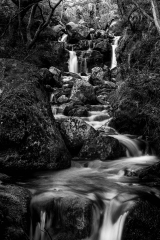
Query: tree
156, 15
44, 23
23, 8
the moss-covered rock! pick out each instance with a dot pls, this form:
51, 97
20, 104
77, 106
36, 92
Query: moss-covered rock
29, 139
75, 131
101, 147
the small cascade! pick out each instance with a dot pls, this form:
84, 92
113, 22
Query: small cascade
64, 38
89, 43
132, 147
114, 46
85, 65
73, 62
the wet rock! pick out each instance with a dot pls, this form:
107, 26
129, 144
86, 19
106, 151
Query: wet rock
71, 215
75, 131
101, 147
99, 76
107, 130
73, 75
77, 32
62, 99
14, 212
143, 219
29, 139
76, 109
83, 91
56, 74
58, 31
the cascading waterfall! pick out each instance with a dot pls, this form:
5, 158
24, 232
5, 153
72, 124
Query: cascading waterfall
104, 183
114, 46
73, 62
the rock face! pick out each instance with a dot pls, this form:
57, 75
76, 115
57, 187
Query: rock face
29, 139
67, 217
102, 147
75, 131
14, 212
83, 91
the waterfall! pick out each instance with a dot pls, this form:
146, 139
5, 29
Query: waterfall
64, 38
85, 65
73, 62
114, 46
105, 185
132, 147
89, 43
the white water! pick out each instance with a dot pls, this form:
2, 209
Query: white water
73, 62
64, 38
99, 181
85, 66
114, 46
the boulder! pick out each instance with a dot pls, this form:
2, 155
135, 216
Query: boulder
97, 76
29, 139
77, 32
67, 216
58, 31
56, 73
62, 99
76, 109
101, 147
107, 130
143, 219
83, 91
75, 131
14, 212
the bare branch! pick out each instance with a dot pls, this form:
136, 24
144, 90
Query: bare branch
143, 11
33, 10
43, 25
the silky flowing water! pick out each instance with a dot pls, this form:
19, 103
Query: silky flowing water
106, 184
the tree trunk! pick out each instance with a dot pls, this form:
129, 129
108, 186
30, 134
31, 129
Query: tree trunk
156, 15
43, 25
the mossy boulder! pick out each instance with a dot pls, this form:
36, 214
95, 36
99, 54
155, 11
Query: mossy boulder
101, 147
29, 139
75, 131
